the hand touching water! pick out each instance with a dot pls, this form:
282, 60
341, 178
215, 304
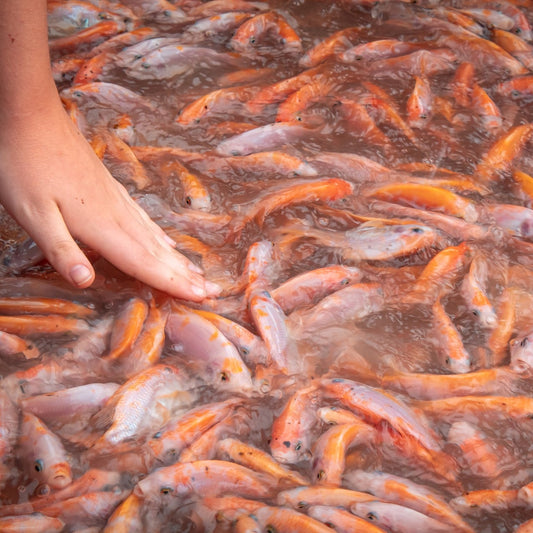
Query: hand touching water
53, 184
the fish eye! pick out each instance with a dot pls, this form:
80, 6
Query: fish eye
43, 490
345, 281
157, 435
137, 56
447, 360
321, 475
224, 376
38, 465
171, 451
418, 230
166, 13
423, 115
371, 516
270, 529
245, 350
298, 446
166, 490
301, 505
476, 313
188, 200
523, 342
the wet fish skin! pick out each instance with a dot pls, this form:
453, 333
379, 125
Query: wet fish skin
43, 453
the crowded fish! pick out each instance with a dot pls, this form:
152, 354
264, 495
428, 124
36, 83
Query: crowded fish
357, 178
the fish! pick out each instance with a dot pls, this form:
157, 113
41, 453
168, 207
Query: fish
123, 416
171, 60
264, 138
330, 449
206, 478
285, 520
128, 516
398, 517
168, 442
420, 103
428, 197
251, 33
33, 522
258, 460
402, 491
332, 45
342, 520
409, 432
423, 386
290, 441
311, 286
43, 453
296, 191
197, 337
500, 156
449, 343
370, 241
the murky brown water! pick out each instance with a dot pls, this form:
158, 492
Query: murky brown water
400, 337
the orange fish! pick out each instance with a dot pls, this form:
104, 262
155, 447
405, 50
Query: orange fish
449, 342
329, 450
43, 453
203, 478
291, 439
462, 83
420, 103
498, 161
283, 519
225, 101
297, 191
487, 501
127, 327
253, 31
499, 380
440, 274
311, 286
427, 197
258, 460
167, 444
127, 517
400, 490
32, 522
331, 46
342, 520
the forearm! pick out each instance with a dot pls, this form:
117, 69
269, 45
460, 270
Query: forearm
26, 83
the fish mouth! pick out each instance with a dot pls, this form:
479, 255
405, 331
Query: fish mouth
60, 477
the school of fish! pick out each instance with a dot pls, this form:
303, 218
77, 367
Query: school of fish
357, 176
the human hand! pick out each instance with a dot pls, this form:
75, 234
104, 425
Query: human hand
57, 189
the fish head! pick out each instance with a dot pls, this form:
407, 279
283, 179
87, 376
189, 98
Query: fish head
522, 353
57, 475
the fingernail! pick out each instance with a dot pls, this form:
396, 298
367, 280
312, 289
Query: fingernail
195, 268
169, 240
198, 291
212, 288
80, 274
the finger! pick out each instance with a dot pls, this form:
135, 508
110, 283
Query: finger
53, 238
138, 252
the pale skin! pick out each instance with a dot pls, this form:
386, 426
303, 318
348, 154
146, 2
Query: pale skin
56, 188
